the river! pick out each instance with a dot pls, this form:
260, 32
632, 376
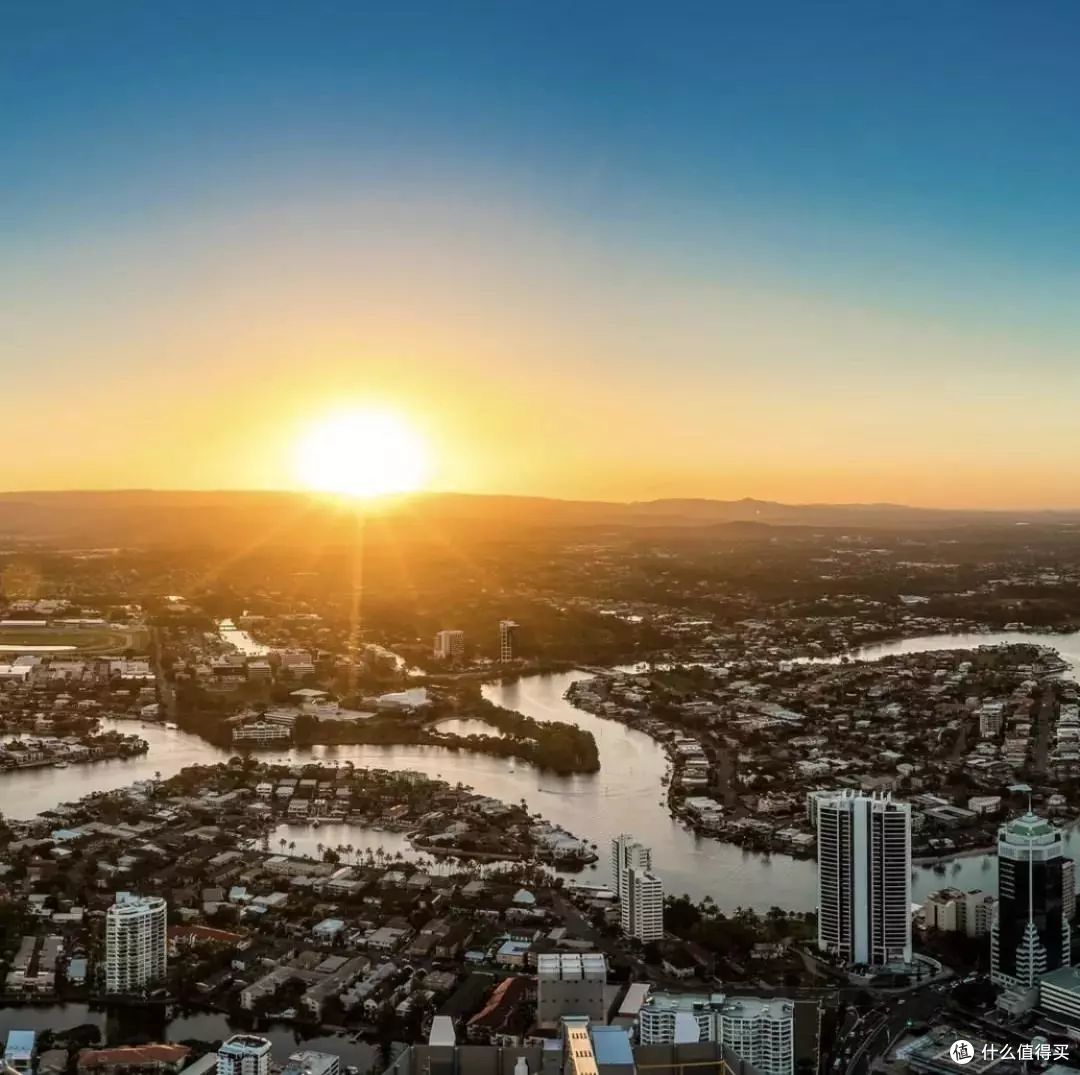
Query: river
625, 795
241, 640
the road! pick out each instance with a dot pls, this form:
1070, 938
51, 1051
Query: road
166, 692
1044, 723
864, 1036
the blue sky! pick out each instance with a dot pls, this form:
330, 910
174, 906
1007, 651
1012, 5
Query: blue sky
912, 167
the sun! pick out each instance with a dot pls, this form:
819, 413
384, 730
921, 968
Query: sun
362, 454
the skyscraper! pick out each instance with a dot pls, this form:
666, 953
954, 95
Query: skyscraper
643, 910
641, 893
864, 877
135, 944
508, 630
1031, 933
244, 1054
627, 854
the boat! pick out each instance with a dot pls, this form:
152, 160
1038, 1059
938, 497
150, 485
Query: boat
60, 764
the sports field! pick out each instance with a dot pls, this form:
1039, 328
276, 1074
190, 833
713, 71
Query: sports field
90, 641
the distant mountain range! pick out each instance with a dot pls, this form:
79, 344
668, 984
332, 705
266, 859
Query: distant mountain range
167, 517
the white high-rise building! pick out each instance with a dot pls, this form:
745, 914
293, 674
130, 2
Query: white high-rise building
641, 893
864, 877
135, 943
508, 630
627, 854
244, 1054
643, 909
761, 1032
449, 646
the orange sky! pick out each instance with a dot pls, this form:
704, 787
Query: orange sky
571, 372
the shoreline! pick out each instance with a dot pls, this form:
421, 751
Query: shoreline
1064, 669
952, 856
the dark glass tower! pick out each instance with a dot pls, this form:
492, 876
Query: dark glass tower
1031, 931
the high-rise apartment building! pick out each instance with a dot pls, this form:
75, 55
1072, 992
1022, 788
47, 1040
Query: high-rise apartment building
627, 854
761, 1032
135, 943
244, 1054
643, 909
1031, 933
508, 631
641, 893
864, 877
449, 646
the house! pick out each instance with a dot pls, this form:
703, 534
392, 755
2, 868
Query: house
328, 930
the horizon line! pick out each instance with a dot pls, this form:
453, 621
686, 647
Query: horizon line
431, 493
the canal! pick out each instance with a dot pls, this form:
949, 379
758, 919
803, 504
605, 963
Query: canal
627, 793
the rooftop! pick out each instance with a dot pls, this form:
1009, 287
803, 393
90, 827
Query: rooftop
20, 1043
1067, 978
1028, 828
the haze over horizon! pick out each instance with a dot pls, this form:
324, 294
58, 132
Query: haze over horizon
815, 254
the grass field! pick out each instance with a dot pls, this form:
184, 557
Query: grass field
88, 641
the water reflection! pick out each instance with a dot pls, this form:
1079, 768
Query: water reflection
626, 794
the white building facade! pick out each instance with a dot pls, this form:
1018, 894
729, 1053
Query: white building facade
864, 877
135, 943
244, 1054
761, 1032
449, 646
953, 911
641, 893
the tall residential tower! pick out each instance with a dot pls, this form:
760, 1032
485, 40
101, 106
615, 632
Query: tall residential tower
641, 893
135, 943
864, 877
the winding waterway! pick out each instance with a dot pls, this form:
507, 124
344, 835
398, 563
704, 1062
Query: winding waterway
625, 795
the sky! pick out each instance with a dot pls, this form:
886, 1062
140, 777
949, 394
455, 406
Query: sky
804, 252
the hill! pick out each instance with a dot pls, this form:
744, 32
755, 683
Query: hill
230, 518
